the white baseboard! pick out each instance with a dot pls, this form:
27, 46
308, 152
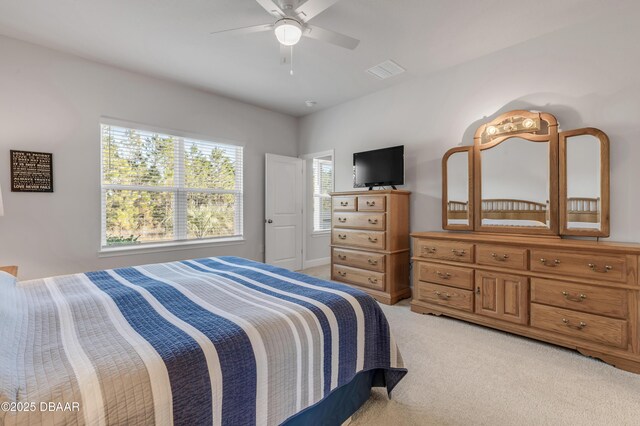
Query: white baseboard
316, 262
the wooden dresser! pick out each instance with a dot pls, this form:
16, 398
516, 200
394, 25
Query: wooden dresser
13, 270
579, 294
370, 242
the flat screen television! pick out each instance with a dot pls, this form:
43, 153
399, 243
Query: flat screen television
381, 167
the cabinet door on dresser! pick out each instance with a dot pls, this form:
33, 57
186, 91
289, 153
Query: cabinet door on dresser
503, 297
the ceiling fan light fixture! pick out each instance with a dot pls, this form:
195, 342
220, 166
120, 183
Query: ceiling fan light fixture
288, 31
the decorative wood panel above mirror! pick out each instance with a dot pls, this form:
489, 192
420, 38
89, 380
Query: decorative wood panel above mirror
523, 177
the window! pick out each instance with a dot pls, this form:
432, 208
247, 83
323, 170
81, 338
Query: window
160, 188
322, 186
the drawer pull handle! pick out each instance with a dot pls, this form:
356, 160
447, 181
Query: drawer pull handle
342, 257
372, 262
443, 296
344, 203
580, 326
502, 258
373, 239
371, 203
458, 252
342, 273
429, 250
556, 262
373, 221
342, 236
594, 268
342, 219
574, 298
444, 276
373, 280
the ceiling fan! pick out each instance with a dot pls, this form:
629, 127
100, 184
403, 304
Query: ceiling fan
292, 23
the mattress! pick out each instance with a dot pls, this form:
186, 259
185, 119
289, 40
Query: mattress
208, 341
458, 221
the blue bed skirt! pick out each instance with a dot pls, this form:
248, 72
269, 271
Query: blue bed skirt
343, 402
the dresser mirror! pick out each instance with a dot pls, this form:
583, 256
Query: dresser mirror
516, 174
584, 183
457, 189
515, 186
523, 177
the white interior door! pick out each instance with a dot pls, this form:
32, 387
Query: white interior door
283, 210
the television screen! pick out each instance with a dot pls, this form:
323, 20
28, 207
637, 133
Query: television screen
382, 167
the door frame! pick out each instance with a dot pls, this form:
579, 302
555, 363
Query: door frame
305, 208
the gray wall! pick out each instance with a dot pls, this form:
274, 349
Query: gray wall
53, 102
516, 169
586, 75
583, 156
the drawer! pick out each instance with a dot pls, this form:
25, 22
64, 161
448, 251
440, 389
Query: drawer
368, 279
507, 257
359, 259
447, 275
446, 296
371, 203
595, 266
368, 239
375, 221
444, 250
597, 300
344, 203
595, 328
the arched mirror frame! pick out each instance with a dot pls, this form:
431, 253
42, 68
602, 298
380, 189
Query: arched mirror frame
558, 179
512, 125
445, 191
604, 207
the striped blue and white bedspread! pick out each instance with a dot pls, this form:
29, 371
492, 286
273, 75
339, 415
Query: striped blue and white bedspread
209, 341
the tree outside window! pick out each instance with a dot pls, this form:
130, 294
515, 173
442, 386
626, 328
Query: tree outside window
322, 187
158, 188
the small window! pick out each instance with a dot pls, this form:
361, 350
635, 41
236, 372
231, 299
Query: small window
161, 188
322, 187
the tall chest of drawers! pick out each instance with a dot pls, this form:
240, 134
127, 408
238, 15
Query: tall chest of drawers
370, 242
584, 295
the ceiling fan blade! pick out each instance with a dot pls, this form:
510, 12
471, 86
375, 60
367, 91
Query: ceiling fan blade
272, 8
246, 30
285, 54
331, 37
312, 8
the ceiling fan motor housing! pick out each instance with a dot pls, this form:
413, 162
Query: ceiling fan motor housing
288, 31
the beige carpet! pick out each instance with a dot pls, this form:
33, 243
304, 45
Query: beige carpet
463, 374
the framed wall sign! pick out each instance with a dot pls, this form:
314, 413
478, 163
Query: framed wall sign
31, 171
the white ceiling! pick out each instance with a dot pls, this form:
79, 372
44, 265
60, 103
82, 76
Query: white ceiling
170, 39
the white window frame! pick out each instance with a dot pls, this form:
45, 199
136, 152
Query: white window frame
180, 241
310, 195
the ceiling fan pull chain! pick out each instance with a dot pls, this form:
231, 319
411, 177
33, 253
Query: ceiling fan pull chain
291, 61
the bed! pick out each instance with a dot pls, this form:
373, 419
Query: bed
583, 212
209, 341
502, 212
458, 211
514, 212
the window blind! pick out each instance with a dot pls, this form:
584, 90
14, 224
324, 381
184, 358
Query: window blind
158, 187
322, 186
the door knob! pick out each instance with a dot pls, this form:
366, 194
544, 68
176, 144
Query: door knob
269, 221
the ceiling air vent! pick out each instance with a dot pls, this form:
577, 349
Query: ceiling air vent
386, 69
